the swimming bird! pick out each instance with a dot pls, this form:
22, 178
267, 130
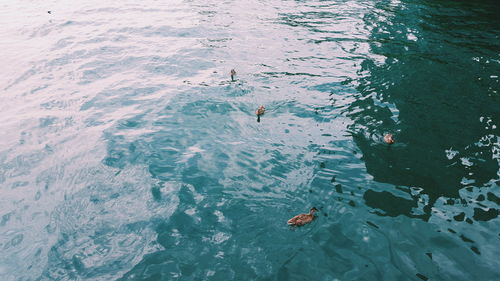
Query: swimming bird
302, 219
388, 139
260, 111
233, 73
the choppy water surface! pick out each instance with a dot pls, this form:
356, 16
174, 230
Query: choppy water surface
126, 153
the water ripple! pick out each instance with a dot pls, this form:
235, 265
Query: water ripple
129, 154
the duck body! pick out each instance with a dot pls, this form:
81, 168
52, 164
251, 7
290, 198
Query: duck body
233, 73
388, 139
260, 111
302, 219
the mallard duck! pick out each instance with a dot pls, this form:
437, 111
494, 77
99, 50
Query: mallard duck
233, 73
303, 219
260, 111
388, 139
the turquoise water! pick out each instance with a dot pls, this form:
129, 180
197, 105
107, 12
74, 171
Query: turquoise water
127, 153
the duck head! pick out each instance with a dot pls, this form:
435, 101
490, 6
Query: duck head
313, 210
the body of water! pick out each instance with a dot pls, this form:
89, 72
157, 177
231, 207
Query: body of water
127, 153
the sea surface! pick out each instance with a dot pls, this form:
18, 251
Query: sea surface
127, 153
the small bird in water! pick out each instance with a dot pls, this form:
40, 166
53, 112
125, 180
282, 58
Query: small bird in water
388, 139
233, 73
260, 111
302, 219
49, 12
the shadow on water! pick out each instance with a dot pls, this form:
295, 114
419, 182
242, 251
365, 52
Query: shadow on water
436, 91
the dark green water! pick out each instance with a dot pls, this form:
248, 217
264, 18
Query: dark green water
126, 153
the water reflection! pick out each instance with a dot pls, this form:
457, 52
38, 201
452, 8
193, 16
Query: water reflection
434, 92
